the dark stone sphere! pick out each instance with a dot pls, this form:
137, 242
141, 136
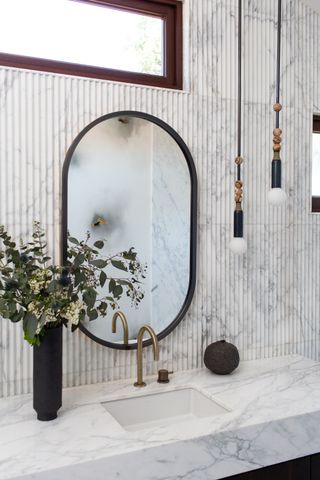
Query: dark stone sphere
221, 357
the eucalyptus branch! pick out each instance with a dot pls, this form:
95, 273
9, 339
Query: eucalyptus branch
44, 295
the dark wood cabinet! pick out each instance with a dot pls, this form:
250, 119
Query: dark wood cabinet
305, 468
315, 467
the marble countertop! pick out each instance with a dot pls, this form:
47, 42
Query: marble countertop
274, 417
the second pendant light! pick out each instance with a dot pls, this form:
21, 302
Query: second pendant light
277, 195
238, 244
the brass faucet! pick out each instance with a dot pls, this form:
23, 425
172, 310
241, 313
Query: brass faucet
145, 328
124, 324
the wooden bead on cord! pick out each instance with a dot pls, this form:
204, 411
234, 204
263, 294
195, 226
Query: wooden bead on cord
277, 132
238, 191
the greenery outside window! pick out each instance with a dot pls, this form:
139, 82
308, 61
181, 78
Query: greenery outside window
135, 41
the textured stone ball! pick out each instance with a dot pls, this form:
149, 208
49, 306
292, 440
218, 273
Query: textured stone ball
221, 357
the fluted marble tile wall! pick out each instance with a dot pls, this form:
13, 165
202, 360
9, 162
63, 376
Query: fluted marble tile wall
266, 302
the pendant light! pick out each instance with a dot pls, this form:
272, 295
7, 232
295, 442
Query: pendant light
277, 195
238, 244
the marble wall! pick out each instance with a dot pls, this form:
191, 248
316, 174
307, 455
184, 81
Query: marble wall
266, 302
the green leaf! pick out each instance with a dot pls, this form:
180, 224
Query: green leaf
7, 270
117, 291
103, 278
34, 341
92, 314
30, 323
103, 308
124, 282
89, 297
99, 263
12, 308
130, 255
99, 244
112, 285
15, 256
52, 286
78, 278
42, 320
4, 308
118, 264
78, 260
17, 316
73, 240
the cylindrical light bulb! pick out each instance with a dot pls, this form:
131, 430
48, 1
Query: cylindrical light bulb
238, 245
277, 196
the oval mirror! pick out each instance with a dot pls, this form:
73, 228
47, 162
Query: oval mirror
130, 179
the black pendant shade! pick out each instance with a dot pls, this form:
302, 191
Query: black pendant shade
276, 174
238, 223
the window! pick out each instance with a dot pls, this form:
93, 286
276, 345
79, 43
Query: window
136, 41
316, 164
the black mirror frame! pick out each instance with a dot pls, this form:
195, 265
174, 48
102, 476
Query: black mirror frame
193, 218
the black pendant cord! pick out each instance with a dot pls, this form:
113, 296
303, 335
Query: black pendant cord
278, 60
238, 213
277, 132
239, 88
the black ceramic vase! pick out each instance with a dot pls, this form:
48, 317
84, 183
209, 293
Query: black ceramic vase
221, 357
47, 375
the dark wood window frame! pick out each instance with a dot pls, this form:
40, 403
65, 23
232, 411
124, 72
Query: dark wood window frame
316, 129
170, 11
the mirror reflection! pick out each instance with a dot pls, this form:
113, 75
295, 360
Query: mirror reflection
316, 164
129, 182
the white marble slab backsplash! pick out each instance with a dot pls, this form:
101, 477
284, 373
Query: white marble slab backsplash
266, 302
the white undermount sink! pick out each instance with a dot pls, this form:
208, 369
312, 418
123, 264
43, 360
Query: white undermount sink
164, 408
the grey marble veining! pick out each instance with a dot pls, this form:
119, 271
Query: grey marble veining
171, 205
273, 417
266, 302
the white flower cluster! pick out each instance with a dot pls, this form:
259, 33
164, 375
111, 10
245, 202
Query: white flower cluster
39, 280
72, 312
34, 308
49, 315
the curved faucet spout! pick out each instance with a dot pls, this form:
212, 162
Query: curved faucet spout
123, 319
152, 333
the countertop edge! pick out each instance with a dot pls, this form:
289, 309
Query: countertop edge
221, 455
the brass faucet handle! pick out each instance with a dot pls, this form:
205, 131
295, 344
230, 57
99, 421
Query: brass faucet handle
163, 376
